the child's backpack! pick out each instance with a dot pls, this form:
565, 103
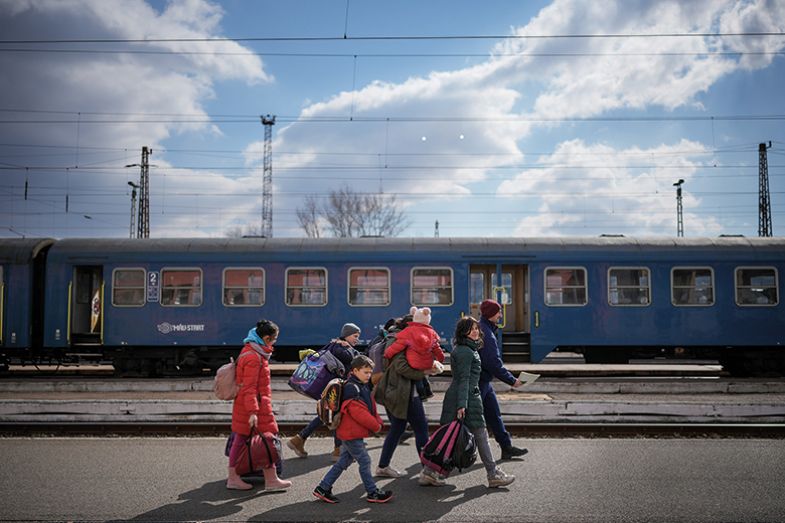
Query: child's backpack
328, 407
447, 443
225, 383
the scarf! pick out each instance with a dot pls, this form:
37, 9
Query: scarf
257, 344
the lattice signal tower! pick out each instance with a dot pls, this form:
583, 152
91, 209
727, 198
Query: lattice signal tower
764, 203
267, 181
143, 230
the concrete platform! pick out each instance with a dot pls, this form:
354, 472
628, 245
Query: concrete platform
546, 401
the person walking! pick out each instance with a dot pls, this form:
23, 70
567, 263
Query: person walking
343, 349
402, 390
462, 399
359, 419
253, 406
493, 367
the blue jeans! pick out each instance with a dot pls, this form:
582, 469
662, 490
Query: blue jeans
415, 415
312, 426
493, 416
352, 450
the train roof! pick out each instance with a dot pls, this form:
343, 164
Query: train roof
457, 245
22, 250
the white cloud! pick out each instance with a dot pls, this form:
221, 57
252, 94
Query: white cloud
597, 186
509, 95
122, 89
638, 73
495, 105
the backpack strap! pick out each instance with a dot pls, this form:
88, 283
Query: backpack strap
451, 431
237, 361
267, 448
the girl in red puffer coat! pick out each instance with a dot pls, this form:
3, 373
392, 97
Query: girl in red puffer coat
253, 405
420, 342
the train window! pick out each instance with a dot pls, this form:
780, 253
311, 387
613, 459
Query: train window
506, 286
181, 287
128, 287
369, 286
756, 286
431, 286
243, 287
306, 287
565, 286
476, 287
629, 286
692, 286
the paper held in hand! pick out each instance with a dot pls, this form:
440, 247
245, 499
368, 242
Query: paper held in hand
527, 378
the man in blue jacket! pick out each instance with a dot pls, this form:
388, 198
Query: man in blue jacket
492, 366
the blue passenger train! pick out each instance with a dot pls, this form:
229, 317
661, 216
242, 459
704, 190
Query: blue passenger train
167, 306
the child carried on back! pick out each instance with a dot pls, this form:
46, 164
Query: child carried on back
420, 342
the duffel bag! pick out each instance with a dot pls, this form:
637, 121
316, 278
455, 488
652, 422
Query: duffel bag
313, 374
261, 451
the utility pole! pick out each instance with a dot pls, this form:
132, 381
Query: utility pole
143, 231
131, 230
679, 210
267, 181
764, 203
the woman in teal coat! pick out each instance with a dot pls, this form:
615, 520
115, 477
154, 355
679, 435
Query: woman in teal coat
462, 399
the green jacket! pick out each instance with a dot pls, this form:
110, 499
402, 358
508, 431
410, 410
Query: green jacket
464, 391
395, 388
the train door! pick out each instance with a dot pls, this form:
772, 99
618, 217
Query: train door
87, 306
510, 292
507, 284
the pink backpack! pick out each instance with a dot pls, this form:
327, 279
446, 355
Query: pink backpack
225, 385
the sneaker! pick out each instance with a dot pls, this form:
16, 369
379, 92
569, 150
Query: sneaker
297, 444
379, 496
336, 454
430, 477
325, 495
513, 452
387, 472
500, 479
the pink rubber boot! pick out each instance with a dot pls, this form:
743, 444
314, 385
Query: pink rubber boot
273, 482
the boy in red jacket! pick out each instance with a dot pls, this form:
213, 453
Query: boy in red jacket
359, 419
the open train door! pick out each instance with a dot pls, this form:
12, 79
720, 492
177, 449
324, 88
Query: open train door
512, 292
87, 306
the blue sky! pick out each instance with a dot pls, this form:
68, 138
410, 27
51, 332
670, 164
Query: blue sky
538, 132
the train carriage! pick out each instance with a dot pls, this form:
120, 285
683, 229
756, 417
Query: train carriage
174, 305
21, 303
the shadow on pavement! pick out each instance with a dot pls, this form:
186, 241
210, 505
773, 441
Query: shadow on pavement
410, 502
208, 502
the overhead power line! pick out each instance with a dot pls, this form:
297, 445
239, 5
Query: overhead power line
348, 38
401, 119
266, 54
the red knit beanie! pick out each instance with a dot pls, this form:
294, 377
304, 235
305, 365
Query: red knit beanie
489, 308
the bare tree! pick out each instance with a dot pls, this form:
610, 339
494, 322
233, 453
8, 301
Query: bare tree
308, 216
347, 214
